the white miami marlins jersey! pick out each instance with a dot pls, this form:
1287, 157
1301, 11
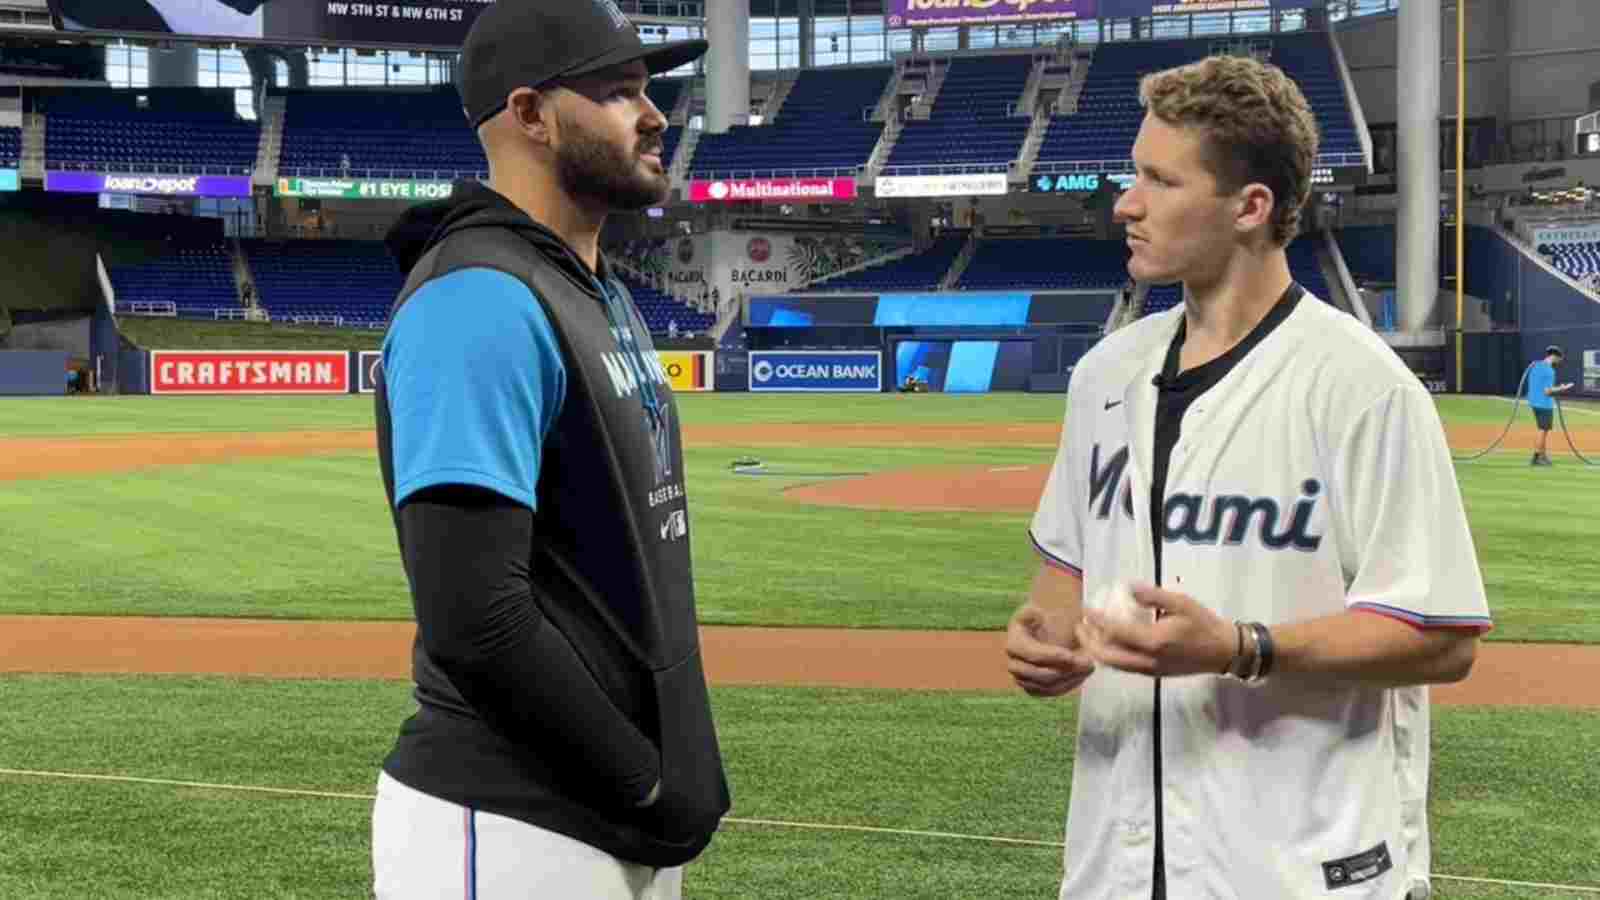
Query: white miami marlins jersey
1312, 478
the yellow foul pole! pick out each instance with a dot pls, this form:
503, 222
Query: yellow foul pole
1461, 195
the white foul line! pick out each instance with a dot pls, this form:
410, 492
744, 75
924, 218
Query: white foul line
167, 782
1530, 884
1565, 407
815, 826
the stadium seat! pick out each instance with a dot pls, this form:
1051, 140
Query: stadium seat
188, 130
419, 134
10, 147
1048, 263
1109, 113
923, 271
198, 280
819, 129
356, 280
659, 310
970, 128
1577, 261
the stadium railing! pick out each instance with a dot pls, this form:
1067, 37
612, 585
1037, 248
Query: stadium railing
1114, 166
144, 168
383, 174
983, 168
163, 308
335, 321
256, 314
736, 174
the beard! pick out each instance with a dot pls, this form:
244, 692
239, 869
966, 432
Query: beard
595, 169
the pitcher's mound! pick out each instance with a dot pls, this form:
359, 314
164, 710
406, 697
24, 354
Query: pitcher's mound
952, 488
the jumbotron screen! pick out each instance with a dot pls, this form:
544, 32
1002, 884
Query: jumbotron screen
434, 24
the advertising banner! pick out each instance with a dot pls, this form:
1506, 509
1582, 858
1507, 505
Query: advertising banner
688, 371
731, 263
908, 13
773, 190
154, 185
367, 363
816, 370
10, 180
1580, 234
249, 372
1118, 9
988, 184
363, 189
1078, 182
441, 24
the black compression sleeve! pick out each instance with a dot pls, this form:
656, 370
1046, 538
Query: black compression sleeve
467, 553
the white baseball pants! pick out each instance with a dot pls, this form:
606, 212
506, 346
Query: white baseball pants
424, 848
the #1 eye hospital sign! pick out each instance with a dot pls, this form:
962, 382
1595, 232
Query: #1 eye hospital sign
907, 13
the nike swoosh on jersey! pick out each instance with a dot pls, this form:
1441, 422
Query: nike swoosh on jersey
1110, 404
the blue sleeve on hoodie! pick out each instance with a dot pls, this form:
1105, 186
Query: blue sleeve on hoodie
475, 381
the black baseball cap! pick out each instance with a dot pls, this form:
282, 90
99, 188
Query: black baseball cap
527, 43
1554, 350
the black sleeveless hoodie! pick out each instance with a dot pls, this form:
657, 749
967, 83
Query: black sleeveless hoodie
610, 561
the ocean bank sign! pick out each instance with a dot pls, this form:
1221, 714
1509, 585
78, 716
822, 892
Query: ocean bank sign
153, 185
816, 370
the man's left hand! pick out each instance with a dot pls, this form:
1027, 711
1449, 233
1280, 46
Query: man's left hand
1187, 638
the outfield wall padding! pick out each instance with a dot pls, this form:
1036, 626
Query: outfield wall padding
26, 373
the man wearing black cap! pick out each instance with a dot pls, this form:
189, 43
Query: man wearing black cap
529, 446
1542, 389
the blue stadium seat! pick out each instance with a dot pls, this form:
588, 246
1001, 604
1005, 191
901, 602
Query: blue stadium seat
923, 271
1051, 263
198, 280
970, 128
659, 310
819, 129
357, 280
189, 130
1578, 261
1109, 114
420, 134
10, 147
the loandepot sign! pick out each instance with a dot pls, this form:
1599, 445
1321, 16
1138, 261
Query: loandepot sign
363, 189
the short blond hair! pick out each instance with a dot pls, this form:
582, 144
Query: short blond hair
1257, 125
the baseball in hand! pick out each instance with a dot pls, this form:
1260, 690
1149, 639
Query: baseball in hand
1117, 603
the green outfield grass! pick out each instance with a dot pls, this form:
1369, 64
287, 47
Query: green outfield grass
969, 763
310, 537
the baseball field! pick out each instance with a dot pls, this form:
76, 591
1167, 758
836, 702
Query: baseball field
204, 632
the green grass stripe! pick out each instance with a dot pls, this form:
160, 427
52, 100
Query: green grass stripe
1511, 790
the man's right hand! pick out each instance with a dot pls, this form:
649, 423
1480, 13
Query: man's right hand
1042, 653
